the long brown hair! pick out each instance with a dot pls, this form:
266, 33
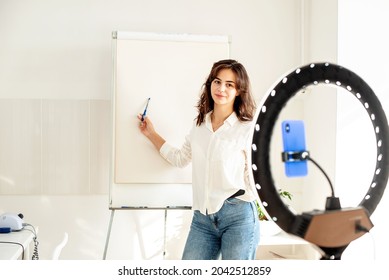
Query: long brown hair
244, 104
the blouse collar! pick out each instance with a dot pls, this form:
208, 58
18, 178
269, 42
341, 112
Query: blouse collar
231, 120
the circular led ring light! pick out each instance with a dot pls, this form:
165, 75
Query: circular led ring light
313, 74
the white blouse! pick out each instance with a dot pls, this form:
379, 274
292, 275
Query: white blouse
220, 165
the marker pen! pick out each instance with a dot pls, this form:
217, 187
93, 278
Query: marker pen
145, 111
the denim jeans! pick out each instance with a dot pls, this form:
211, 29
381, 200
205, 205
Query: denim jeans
232, 233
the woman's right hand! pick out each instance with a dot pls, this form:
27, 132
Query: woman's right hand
146, 126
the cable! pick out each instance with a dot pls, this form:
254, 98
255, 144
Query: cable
305, 155
359, 228
35, 254
15, 243
373, 244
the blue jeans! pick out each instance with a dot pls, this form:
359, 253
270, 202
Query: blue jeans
232, 232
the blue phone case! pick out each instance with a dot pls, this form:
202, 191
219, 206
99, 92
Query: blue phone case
293, 136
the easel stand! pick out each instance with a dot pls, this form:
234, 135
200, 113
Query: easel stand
113, 209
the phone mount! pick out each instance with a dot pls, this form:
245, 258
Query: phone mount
291, 156
334, 228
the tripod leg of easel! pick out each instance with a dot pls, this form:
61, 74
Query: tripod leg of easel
108, 234
164, 235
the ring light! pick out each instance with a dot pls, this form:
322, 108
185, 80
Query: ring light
310, 225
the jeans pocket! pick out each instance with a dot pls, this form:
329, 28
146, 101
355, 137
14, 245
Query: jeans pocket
233, 201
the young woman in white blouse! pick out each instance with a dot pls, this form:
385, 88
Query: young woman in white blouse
225, 220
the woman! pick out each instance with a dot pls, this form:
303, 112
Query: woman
225, 220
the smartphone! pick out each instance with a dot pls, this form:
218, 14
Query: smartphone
293, 138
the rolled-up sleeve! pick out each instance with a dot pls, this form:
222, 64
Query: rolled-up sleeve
177, 157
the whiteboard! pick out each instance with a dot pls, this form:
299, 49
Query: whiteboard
170, 69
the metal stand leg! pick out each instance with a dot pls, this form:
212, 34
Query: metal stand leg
108, 234
164, 235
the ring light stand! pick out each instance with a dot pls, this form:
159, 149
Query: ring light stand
332, 229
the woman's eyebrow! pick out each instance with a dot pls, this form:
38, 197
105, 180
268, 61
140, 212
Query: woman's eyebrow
225, 81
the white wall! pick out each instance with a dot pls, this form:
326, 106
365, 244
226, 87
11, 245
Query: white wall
316, 106
363, 49
55, 79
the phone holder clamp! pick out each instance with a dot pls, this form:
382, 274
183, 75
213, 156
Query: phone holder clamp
291, 156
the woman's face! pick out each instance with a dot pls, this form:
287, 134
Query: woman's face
223, 88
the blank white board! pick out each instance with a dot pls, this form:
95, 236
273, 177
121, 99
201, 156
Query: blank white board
170, 69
